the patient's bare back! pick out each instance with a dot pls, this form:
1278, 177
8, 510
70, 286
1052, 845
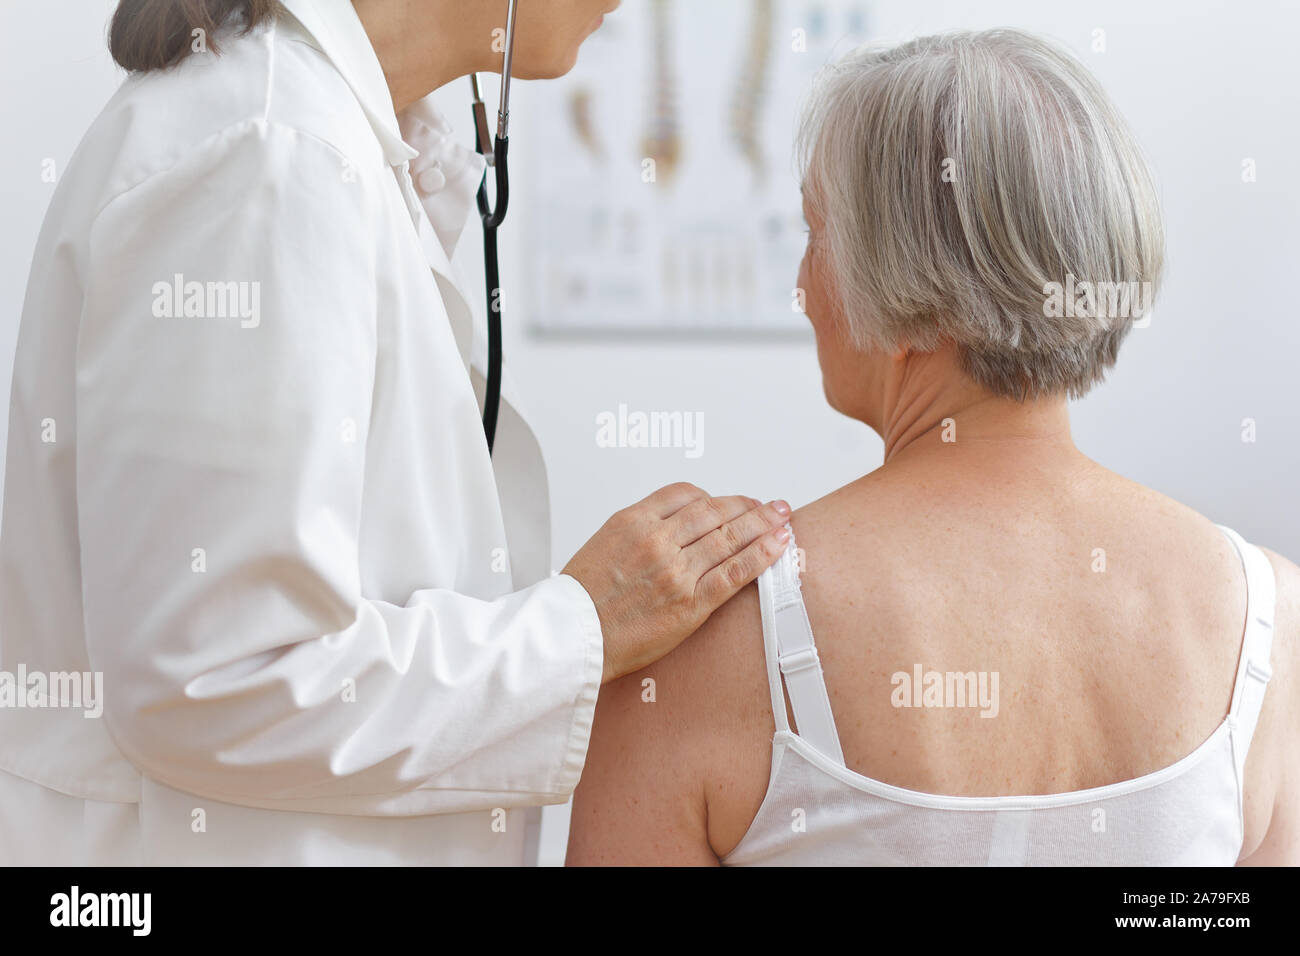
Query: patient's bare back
1017, 623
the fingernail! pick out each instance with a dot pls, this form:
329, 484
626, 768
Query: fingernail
783, 534
781, 507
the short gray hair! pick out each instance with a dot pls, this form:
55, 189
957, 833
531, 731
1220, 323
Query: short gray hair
959, 176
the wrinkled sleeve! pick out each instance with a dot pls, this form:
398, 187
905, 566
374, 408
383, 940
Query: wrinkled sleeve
221, 444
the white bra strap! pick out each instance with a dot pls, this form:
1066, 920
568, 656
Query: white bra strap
1254, 668
788, 643
767, 608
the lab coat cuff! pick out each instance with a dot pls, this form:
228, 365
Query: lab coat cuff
587, 622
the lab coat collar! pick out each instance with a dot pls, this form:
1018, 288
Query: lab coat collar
337, 29
439, 165
446, 174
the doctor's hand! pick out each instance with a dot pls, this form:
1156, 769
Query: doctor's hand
657, 570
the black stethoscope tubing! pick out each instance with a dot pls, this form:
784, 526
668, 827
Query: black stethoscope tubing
496, 155
492, 219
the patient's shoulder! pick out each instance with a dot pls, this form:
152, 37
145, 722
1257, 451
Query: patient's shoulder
695, 726
733, 706
711, 691
1287, 612
1286, 637
693, 692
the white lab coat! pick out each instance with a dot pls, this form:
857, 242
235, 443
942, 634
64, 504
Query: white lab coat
326, 624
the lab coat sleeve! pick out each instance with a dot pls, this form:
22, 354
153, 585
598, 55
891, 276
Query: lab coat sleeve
220, 465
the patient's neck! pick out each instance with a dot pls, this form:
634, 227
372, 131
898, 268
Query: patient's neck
928, 406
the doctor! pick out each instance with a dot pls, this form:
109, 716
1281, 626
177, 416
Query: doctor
248, 501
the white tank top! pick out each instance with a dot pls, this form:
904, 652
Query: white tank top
818, 812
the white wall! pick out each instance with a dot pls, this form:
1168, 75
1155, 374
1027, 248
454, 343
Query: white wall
1205, 85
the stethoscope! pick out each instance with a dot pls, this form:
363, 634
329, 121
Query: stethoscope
495, 156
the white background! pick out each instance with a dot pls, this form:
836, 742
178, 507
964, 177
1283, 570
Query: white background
1204, 84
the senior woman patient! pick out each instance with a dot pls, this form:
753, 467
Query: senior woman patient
1025, 658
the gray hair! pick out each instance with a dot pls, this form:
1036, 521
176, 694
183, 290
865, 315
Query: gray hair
960, 177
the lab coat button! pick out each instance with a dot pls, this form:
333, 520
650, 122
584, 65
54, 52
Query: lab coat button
432, 180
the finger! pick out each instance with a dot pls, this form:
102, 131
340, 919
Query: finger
671, 499
705, 515
734, 536
720, 584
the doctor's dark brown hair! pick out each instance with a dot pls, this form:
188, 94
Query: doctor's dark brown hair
154, 34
